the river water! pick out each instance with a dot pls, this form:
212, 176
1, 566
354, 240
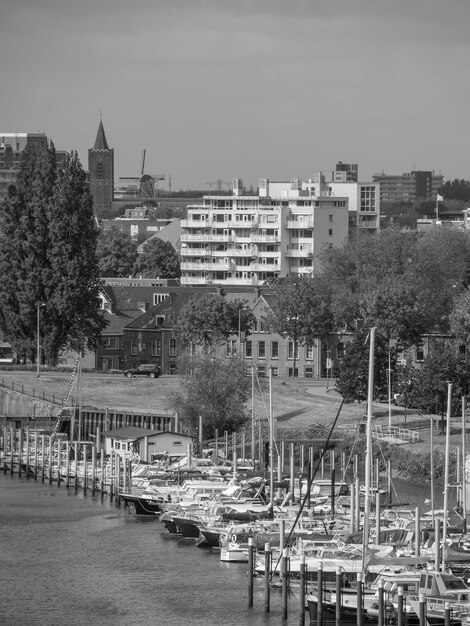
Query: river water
70, 559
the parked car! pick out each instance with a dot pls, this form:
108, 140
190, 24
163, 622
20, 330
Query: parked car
152, 370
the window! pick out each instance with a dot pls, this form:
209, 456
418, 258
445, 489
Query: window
159, 347
248, 349
274, 349
330, 232
153, 347
275, 371
340, 350
261, 371
231, 347
330, 218
293, 372
420, 353
309, 372
309, 352
110, 343
290, 350
134, 345
172, 347
261, 349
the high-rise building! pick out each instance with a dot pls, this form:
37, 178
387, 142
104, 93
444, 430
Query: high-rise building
11, 147
101, 174
408, 187
248, 239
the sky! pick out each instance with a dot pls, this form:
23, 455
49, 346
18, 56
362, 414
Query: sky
252, 89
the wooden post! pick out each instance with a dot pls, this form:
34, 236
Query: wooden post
381, 619
320, 594
85, 468
267, 577
102, 472
93, 470
20, 451
49, 465
377, 518
422, 610
250, 570
111, 475
35, 456
400, 606
447, 613
43, 460
283, 456
352, 521
339, 576
12, 448
303, 579
67, 463
27, 451
243, 448
417, 532
302, 458
285, 581
59, 452
118, 479
75, 453
5, 443
360, 616
437, 541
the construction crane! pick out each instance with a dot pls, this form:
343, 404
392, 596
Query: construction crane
219, 184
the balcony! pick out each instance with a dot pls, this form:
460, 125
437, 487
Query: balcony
188, 223
247, 252
195, 280
264, 267
185, 237
300, 223
197, 252
206, 267
305, 252
264, 238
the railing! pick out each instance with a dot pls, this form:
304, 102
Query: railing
33, 393
394, 432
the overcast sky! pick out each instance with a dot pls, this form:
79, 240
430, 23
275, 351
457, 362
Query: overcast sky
218, 89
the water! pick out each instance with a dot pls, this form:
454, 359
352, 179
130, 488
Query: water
70, 559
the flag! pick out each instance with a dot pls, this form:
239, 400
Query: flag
439, 198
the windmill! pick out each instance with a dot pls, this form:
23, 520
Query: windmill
144, 186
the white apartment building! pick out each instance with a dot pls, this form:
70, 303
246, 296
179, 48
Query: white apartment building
247, 240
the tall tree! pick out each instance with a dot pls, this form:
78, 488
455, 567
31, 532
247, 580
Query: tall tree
217, 389
48, 257
116, 252
159, 259
210, 319
300, 309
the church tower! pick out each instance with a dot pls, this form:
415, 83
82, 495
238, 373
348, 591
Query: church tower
101, 168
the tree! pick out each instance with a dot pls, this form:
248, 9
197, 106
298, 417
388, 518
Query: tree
159, 259
217, 389
210, 319
300, 309
116, 253
456, 190
48, 257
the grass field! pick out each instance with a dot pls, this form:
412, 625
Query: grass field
296, 403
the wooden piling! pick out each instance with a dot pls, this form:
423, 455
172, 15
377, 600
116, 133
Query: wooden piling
303, 583
75, 453
102, 473
93, 470
12, 448
339, 578
422, 610
59, 459
35, 456
320, 594
400, 616
381, 617
417, 532
27, 438
250, 570
267, 577
359, 613
49, 464
20, 451
43, 460
85, 468
447, 613
117, 474
67, 463
285, 581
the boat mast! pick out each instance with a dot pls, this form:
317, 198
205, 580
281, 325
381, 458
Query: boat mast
464, 474
368, 461
446, 471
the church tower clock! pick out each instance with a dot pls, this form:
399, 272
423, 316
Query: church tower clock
101, 168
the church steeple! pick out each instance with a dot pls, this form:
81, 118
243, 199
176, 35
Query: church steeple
100, 142
101, 174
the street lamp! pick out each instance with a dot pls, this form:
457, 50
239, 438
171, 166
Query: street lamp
239, 328
38, 351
